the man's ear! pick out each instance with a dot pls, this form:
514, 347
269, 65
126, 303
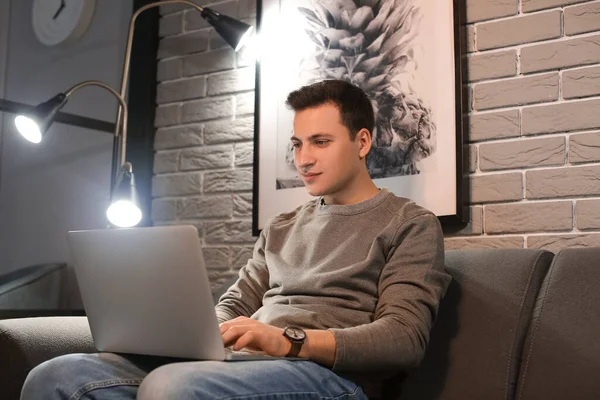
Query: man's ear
364, 140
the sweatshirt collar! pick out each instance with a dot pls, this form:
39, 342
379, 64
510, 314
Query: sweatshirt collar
352, 209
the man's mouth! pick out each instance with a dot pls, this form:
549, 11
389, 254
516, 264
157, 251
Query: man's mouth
310, 176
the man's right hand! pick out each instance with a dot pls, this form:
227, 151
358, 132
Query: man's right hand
319, 346
246, 332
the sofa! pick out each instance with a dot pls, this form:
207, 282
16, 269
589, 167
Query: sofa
514, 324
34, 287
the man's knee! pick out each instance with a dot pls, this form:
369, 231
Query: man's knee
45, 379
161, 383
178, 381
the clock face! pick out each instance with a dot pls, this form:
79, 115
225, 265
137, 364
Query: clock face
295, 333
60, 21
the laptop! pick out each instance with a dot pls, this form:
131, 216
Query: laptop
146, 291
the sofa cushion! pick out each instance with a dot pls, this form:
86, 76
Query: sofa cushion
476, 342
561, 358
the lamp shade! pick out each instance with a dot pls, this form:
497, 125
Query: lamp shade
233, 31
124, 210
34, 124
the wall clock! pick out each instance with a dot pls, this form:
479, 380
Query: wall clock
61, 21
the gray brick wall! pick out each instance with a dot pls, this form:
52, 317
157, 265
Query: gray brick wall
534, 128
534, 72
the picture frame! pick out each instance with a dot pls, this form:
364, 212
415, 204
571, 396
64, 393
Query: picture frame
405, 54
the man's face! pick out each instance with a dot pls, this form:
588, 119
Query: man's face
327, 160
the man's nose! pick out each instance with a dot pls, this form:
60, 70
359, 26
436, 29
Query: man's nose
303, 157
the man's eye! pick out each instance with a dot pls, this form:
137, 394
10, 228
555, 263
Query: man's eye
295, 145
321, 142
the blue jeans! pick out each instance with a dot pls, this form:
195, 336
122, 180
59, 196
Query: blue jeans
111, 376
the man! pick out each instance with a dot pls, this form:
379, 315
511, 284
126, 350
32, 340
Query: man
350, 281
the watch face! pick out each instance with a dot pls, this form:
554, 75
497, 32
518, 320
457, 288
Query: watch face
58, 21
295, 333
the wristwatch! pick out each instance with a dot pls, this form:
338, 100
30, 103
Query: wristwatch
296, 336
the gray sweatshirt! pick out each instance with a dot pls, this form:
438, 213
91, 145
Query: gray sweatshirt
372, 273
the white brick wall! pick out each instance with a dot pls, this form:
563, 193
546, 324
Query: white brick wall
534, 79
205, 131
534, 119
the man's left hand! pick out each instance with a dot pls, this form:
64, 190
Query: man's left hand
245, 332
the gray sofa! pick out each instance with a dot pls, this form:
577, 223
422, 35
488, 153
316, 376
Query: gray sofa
34, 287
515, 324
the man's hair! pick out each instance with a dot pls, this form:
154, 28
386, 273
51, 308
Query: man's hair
355, 107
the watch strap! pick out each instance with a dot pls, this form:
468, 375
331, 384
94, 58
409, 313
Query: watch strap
295, 349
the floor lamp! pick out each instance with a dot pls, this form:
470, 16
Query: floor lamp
124, 210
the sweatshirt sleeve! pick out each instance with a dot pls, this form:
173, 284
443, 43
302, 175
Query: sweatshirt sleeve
411, 285
245, 296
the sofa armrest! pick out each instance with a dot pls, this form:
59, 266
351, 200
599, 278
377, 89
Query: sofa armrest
27, 342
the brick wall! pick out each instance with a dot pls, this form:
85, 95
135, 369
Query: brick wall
204, 137
533, 146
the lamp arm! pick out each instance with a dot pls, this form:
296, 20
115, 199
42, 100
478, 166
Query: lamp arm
127, 61
125, 168
123, 106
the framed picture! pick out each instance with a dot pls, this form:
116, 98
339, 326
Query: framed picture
405, 54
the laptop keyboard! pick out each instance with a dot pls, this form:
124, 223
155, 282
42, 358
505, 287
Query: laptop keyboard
229, 350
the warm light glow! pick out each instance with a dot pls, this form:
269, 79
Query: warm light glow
124, 214
244, 39
28, 128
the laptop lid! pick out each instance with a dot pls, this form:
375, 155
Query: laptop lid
146, 291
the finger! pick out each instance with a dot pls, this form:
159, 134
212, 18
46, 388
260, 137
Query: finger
238, 319
235, 321
248, 339
232, 334
224, 328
